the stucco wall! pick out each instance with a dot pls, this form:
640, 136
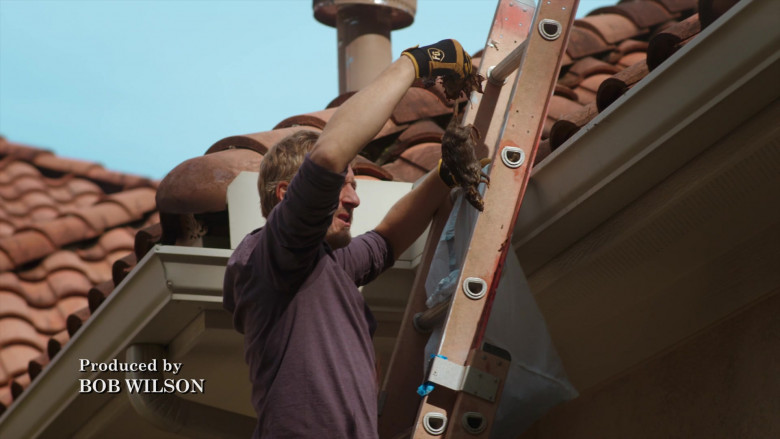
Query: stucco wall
722, 383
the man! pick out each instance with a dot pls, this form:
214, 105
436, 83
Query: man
292, 284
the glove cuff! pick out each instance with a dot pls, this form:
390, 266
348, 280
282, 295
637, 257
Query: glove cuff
420, 61
445, 175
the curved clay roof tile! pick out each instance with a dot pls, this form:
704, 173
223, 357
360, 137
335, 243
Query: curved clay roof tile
419, 103
643, 13
340, 99
585, 67
20, 152
199, 185
613, 28
665, 43
370, 169
565, 92
584, 42
98, 293
616, 86
676, 6
75, 321
45, 320
36, 365
259, 142
317, 119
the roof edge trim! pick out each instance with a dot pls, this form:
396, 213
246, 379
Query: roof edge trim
147, 289
641, 133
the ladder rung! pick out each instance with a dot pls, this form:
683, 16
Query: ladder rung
432, 317
497, 74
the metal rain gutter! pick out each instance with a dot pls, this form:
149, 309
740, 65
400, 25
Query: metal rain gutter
694, 98
166, 274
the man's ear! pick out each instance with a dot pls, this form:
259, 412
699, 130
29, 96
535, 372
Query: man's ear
281, 189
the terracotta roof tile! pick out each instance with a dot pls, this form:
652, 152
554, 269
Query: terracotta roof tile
614, 87
665, 43
415, 162
612, 28
340, 99
589, 86
584, 42
36, 365
122, 267
570, 123
365, 168
258, 142
17, 387
643, 13
558, 108
146, 238
76, 320
316, 120
710, 10
55, 343
44, 320
98, 293
566, 92
63, 223
631, 59
200, 184
677, 6
583, 68
419, 103
15, 331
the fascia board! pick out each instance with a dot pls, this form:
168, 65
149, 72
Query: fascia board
676, 112
164, 275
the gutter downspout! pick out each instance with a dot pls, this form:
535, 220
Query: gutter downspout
169, 412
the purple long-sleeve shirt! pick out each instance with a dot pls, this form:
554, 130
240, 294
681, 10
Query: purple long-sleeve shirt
307, 330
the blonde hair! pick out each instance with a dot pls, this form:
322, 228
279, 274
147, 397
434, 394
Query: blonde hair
281, 163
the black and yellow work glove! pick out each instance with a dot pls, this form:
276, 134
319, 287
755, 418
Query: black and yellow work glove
445, 58
449, 178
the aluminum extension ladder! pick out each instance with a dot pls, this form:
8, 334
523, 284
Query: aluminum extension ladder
467, 377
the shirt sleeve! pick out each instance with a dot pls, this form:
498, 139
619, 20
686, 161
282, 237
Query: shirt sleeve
296, 227
366, 257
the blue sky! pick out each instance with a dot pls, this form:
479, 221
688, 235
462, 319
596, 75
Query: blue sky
141, 85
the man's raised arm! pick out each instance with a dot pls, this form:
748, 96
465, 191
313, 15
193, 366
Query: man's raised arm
361, 117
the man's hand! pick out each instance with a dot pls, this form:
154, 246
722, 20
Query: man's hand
445, 58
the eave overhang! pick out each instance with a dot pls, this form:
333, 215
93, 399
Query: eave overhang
660, 217
166, 292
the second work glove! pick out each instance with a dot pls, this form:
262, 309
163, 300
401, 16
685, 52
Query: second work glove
445, 58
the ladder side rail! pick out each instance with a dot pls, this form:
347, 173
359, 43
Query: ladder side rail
398, 400
513, 158
511, 25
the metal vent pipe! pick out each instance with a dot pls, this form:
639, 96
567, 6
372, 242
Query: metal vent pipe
363, 33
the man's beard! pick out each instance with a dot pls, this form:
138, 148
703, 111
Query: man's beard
339, 239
